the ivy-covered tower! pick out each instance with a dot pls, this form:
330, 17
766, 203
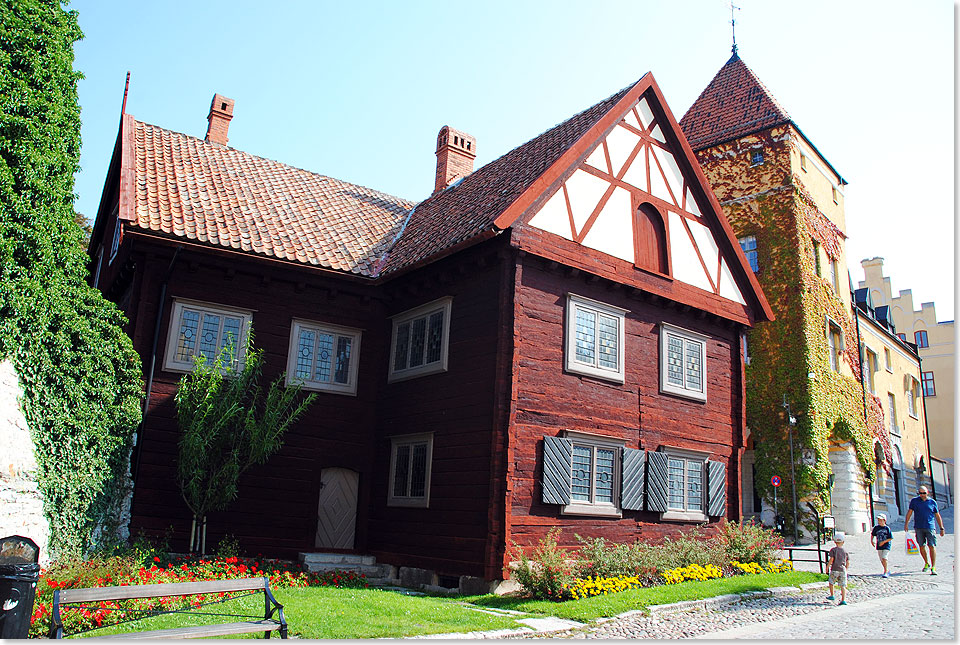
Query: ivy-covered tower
785, 203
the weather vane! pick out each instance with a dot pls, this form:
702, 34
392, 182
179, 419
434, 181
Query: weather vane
733, 26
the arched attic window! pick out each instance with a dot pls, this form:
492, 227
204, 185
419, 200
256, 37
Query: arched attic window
651, 240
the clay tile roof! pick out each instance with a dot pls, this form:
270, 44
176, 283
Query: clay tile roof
470, 206
220, 196
734, 104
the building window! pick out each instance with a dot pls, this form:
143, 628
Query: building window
410, 462
323, 357
902, 337
921, 338
870, 370
685, 485
836, 195
834, 344
834, 276
929, 387
594, 475
201, 329
803, 162
115, 244
816, 257
756, 157
913, 393
892, 414
420, 340
886, 360
746, 350
595, 339
749, 246
683, 362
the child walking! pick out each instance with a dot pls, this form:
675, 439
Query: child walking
882, 538
839, 561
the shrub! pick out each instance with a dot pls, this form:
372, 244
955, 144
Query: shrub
548, 573
748, 542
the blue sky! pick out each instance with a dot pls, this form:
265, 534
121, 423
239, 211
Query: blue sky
358, 90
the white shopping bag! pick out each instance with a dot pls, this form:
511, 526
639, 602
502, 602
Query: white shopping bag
911, 545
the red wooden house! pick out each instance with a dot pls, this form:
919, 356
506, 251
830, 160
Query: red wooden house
554, 339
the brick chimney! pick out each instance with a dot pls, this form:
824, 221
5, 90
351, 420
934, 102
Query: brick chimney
221, 111
455, 154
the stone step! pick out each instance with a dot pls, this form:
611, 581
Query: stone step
336, 558
369, 570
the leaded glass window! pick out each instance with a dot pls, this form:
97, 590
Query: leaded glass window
324, 357
685, 484
683, 362
595, 338
420, 340
410, 470
592, 474
199, 330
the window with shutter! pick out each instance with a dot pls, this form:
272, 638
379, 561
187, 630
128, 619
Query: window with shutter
420, 340
595, 473
410, 464
676, 484
683, 362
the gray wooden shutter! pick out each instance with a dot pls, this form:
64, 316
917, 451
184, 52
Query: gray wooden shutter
634, 479
716, 488
656, 481
557, 463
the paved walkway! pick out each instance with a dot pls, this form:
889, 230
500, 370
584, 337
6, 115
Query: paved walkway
909, 605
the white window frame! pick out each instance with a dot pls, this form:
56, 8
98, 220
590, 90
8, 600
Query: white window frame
887, 360
872, 362
753, 157
571, 363
834, 347
393, 499
673, 513
913, 395
348, 388
894, 425
443, 305
593, 507
667, 330
170, 361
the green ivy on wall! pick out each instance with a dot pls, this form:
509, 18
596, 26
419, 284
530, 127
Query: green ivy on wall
81, 378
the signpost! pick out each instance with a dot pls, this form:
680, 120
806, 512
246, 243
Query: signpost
775, 482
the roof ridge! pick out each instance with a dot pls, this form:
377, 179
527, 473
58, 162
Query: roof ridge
410, 202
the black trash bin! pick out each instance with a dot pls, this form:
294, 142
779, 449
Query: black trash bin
19, 573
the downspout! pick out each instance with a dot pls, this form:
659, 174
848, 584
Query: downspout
926, 427
863, 392
138, 437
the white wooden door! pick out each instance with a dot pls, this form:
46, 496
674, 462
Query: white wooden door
337, 508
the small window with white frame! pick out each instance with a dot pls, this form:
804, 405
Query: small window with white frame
870, 370
683, 362
420, 340
685, 485
595, 337
594, 475
756, 157
803, 162
913, 395
411, 458
203, 329
323, 357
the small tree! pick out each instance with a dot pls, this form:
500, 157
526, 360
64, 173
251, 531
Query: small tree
227, 425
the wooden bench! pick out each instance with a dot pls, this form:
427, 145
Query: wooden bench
77, 597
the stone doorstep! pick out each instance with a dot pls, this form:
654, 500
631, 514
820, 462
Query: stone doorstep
336, 558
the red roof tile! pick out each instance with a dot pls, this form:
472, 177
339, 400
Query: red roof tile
734, 104
186, 187
470, 206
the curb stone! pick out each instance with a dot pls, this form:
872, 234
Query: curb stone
725, 599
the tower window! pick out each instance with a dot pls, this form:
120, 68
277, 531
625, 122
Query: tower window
756, 157
749, 246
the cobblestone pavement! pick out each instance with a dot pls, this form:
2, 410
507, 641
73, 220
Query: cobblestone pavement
908, 605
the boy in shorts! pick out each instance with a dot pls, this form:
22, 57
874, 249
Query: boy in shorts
839, 561
882, 538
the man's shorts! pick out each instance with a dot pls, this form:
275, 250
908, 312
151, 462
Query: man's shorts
883, 553
926, 537
838, 578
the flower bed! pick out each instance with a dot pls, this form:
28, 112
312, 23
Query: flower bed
119, 571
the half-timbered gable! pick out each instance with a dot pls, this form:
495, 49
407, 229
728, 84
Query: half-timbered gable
553, 339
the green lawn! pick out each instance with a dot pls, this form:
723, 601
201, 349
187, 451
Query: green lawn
327, 612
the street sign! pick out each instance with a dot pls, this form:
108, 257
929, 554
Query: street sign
808, 457
775, 480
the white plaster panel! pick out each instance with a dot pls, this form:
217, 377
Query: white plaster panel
636, 174
620, 143
728, 288
705, 243
658, 186
657, 134
671, 170
646, 115
692, 206
585, 192
686, 264
598, 160
553, 218
631, 118
612, 232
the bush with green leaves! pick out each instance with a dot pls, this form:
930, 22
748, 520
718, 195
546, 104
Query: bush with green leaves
748, 541
550, 570
81, 379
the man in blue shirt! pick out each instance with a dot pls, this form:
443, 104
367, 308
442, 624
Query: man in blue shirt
926, 511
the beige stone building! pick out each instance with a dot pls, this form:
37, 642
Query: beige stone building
936, 344
892, 393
